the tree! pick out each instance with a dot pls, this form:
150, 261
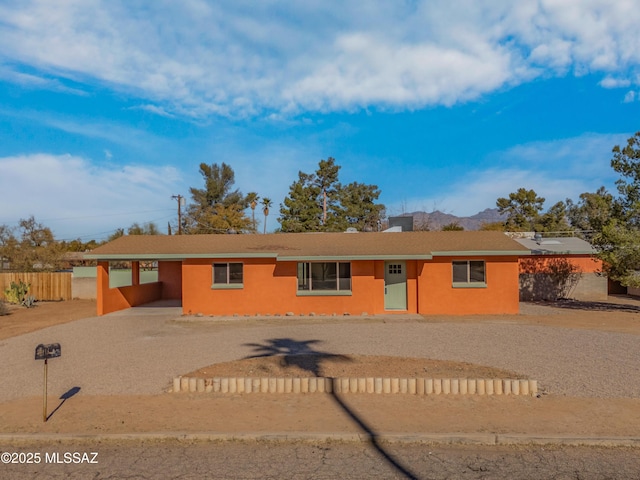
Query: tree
319, 202
300, 211
116, 234
34, 248
554, 220
626, 162
452, 227
492, 226
619, 249
326, 180
592, 212
252, 200
8, 246
356, 207
146, 229
618, 240
219, 180
78, 245
523, 209
217, 208
266, 203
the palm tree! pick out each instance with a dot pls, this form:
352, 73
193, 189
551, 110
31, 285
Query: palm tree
266, 203
252, 200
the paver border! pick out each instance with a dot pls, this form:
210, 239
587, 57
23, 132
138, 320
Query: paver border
366, 385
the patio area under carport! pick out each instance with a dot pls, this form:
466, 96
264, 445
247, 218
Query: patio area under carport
167, 288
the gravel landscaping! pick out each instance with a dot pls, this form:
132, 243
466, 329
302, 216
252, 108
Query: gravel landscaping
139, 351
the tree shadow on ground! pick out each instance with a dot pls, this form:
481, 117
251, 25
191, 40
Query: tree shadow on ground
303, 355
592, 306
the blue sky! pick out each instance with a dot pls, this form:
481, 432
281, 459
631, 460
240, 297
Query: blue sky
109, 107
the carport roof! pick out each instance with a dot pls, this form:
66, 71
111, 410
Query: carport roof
311, 246
557, 245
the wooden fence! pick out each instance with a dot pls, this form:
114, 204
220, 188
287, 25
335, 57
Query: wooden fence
44, 285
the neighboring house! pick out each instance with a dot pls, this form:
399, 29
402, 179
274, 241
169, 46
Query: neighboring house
560, 267
318, 273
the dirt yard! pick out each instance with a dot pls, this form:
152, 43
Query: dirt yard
548, 415
23, 320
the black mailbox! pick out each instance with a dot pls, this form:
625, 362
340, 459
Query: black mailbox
51, 350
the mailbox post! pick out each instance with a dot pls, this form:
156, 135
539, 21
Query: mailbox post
45, 352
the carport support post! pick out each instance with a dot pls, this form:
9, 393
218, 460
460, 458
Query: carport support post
44, 398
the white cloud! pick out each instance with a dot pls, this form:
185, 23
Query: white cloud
611, 82
77, 199
155, 110
630, 96
556, 170
247, 58
27, 80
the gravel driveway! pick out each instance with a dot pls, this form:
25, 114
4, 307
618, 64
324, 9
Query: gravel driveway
140, 350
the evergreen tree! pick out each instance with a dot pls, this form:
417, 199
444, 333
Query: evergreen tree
300, 211
523, 209
318, 202
357, 207
326, 179
217, 208
626, 162
618, 240
554, 220
592, 212
219, 180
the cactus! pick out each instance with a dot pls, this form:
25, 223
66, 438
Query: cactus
17, 292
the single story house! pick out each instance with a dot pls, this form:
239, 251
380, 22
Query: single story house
454, 273
561, 267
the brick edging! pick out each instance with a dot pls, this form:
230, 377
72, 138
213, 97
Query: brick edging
377, 385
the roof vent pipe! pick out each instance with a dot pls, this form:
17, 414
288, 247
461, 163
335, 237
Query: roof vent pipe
538, 238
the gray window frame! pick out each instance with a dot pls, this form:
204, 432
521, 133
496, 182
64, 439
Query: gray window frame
470, 280
304, 279
229, 281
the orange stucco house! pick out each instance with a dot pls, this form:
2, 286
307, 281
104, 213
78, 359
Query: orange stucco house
318, 273
561, 267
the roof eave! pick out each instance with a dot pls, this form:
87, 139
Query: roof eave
482, 253
320, 258
174, 256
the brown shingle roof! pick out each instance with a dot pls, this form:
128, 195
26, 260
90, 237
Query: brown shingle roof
295, 246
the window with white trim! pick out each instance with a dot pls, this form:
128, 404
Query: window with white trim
469, 273
324, 276
227, 274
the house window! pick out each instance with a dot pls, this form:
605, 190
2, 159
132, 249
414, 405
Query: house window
324, 277
469, 273
227, 275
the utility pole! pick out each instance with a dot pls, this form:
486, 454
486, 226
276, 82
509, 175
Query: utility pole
179, 198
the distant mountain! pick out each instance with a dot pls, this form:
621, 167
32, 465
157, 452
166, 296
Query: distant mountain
436, 220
